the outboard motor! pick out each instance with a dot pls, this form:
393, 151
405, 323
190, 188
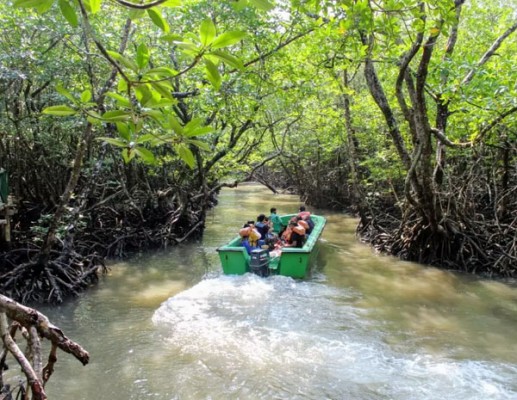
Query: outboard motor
259, 262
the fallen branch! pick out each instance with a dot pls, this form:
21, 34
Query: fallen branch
32, 325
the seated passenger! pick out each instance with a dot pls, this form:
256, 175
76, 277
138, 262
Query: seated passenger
254, 236
262, 226
245, 241
286, 234
304, 225
297, 238
303, 213
306, 216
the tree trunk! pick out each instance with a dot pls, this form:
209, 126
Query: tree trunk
65, 199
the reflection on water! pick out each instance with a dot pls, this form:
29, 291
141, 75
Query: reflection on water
170, 326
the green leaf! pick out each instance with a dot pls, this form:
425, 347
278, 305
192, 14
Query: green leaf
207, 32
128, 155
122, 85
123, 131
227, 58
86, 96
95, 6
121, 100
145, 155
26, 3
142, 56
170, 37
162, 71
116, 115
123, 60
146, 138
44, 6
155, 114
61, 90
263, 5
227, 39
158, 20
163, 88
136, 128
172, 3
187, 46
93, 120
135, 14
212, 74
94, 117
143, 94
69, 13
113, 141
174, 124
194, 123
200, 131
186, 155
195, 128
240, 5
200, 144
61, 111
191, 37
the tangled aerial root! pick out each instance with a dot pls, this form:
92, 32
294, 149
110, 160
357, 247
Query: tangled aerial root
62, 277
486, 247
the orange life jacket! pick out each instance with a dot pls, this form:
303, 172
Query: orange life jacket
244, 232
300, 230
304, 214
304, 225
254, 237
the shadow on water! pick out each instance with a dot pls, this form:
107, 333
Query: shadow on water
168, 325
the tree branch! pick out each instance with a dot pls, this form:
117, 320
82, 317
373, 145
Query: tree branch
140, 6
490, 52
28, 317
443, 139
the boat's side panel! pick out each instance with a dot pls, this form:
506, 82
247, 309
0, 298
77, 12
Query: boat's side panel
234, 262
234, 258
295, 262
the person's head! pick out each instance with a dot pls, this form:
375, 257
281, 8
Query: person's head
302, 208
245, 232
251, 223
261, 218
292, 224
273, 210
298, 218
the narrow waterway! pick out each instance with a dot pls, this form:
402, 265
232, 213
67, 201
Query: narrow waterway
169, 325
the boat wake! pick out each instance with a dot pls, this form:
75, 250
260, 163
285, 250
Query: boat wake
283, 337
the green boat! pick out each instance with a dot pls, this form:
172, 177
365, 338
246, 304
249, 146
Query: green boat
293, 262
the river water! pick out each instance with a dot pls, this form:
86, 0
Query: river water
169, 325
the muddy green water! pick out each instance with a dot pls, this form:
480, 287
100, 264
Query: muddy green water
169, 325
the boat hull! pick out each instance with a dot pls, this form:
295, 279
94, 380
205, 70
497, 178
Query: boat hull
293, 262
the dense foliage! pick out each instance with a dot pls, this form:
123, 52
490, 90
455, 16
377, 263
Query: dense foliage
120, 121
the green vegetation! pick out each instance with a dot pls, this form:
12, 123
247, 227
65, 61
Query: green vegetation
121, 120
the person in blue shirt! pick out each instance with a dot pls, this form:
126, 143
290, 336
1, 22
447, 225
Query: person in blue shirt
262, 226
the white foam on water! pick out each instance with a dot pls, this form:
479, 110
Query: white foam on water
249, 337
